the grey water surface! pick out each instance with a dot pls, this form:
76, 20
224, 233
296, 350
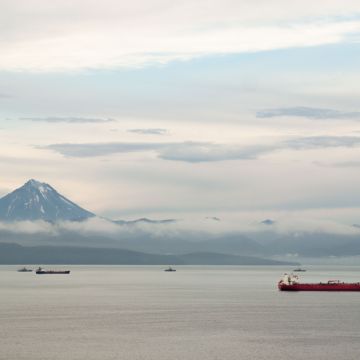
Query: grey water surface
129, 312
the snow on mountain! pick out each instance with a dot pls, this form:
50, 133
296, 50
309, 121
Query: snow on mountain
39, 201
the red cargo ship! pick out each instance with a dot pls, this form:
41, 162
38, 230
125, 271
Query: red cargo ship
291, 283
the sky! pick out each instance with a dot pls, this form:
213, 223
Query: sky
241, 110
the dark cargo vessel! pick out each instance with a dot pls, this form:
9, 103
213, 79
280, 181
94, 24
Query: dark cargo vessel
41, 271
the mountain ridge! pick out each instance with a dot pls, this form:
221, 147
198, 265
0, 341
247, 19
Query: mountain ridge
39, 201
12, 253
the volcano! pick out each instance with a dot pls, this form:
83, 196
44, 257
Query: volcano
39, 201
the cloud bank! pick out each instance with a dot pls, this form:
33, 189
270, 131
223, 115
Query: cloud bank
290, 224
188, 151
195, 152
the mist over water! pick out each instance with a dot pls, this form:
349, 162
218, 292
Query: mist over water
116, 312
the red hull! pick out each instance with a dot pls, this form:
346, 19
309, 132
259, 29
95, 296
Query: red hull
320, 287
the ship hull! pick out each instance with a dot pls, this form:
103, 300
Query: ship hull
52, 272
320, 287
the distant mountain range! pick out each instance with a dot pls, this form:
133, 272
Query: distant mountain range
40, 201
16, 254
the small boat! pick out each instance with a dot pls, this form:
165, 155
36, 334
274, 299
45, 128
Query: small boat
299, 270
169, 269
24, 269
291, 282
41, 271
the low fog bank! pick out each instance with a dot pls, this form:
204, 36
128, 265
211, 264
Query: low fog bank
268, 238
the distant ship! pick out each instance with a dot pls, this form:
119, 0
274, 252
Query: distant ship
299, 270
170, 269
41, 271
24, 269
291, 283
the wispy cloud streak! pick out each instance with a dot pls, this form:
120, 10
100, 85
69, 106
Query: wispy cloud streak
195, 152
183, 151
70, 119
309, 112
150, 131
323, 142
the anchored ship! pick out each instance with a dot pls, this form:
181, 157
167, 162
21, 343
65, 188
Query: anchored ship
41, 271
291, 282
24, 269
170, 269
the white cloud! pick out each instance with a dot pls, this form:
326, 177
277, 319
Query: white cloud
110, 34
28, 227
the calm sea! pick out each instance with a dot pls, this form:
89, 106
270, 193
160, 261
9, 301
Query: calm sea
117, 312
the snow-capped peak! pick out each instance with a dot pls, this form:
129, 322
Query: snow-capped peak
34, 183
37, 185
37, 200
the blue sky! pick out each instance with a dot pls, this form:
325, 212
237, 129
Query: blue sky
189, 83
76, 80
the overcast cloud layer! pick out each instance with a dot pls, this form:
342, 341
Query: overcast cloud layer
86, 35
188, 110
